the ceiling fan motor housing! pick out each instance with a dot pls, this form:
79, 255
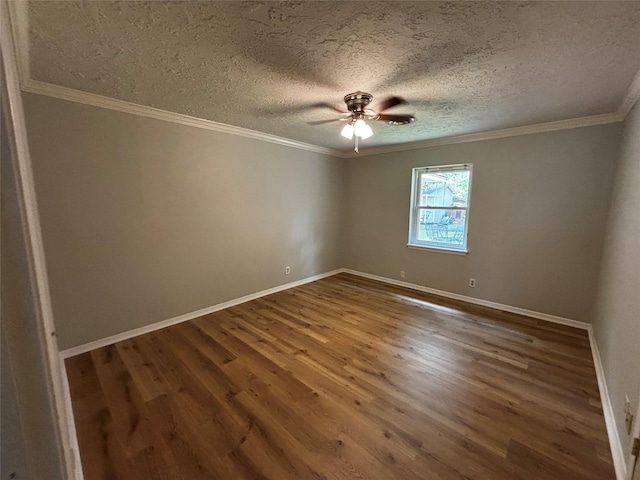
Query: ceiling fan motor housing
357, 101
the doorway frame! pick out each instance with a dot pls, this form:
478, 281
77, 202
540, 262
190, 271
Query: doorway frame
40, 299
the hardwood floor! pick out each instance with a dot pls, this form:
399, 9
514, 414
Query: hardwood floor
343, 378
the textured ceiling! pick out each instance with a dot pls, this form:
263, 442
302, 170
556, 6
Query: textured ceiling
465, 67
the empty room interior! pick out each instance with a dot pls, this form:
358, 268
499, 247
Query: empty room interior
320, 240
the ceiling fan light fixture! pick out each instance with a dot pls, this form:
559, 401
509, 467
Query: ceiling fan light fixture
359, 127
366, 131
347, 131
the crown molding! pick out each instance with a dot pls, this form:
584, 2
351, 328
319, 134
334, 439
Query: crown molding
73, 95
592, 120
632, 96
86, 98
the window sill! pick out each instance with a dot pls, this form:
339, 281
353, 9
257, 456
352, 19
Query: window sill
437, 249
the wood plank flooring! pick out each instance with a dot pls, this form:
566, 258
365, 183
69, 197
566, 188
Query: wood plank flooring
343, 378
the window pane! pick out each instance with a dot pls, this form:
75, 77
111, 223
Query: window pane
444, 189
444, 227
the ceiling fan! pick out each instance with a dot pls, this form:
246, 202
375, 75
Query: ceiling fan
358, 114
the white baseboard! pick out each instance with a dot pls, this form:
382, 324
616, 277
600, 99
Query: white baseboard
612, 430
617, 452
103, 342
475, 301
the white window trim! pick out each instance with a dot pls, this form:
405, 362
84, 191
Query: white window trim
414, 215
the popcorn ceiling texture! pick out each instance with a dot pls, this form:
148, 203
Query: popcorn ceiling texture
465, 67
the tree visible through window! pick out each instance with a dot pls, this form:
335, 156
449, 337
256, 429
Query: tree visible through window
440, 207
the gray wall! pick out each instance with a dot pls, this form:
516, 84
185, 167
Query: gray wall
617, 325
13, 459
537, 218
144, 220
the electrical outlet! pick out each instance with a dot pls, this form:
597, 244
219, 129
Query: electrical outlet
401, 273
472, 282
628, 415
287, 270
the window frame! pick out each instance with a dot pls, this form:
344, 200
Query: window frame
415, 209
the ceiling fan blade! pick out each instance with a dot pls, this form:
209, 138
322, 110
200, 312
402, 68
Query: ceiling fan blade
327, 105
390, 102
321, 122
396, 119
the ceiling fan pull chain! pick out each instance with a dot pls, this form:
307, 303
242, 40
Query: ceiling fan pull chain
356, 148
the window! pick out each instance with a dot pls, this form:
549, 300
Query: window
440, 207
